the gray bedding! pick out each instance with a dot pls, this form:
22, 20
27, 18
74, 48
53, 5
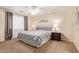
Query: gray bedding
35, 38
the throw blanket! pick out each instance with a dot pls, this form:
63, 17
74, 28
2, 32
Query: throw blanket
35, 38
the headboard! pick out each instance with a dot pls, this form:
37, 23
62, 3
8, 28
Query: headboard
44, 28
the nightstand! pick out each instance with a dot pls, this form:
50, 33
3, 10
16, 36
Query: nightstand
56, 36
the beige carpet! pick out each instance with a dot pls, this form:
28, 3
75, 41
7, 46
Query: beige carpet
16, 46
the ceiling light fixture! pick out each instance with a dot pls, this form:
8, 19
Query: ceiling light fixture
34, 10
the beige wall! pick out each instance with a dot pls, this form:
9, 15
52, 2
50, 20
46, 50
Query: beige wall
66, 25
29, 23
2, 25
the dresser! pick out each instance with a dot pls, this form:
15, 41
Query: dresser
56, 36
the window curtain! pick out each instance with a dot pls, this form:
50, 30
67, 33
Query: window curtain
8, 25
25, 23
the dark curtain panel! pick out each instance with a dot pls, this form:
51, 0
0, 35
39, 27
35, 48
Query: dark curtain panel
25, 23
8, 25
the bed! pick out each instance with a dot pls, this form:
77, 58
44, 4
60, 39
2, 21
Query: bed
36, 38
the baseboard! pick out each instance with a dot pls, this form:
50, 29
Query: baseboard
2, 40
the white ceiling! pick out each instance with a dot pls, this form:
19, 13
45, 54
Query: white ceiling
43, 9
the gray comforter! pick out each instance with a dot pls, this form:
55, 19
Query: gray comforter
35, 38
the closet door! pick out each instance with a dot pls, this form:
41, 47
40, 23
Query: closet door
8, 25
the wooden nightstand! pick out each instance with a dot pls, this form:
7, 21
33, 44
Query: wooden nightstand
56, 36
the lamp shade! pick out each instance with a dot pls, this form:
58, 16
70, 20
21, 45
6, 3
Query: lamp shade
56, 25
